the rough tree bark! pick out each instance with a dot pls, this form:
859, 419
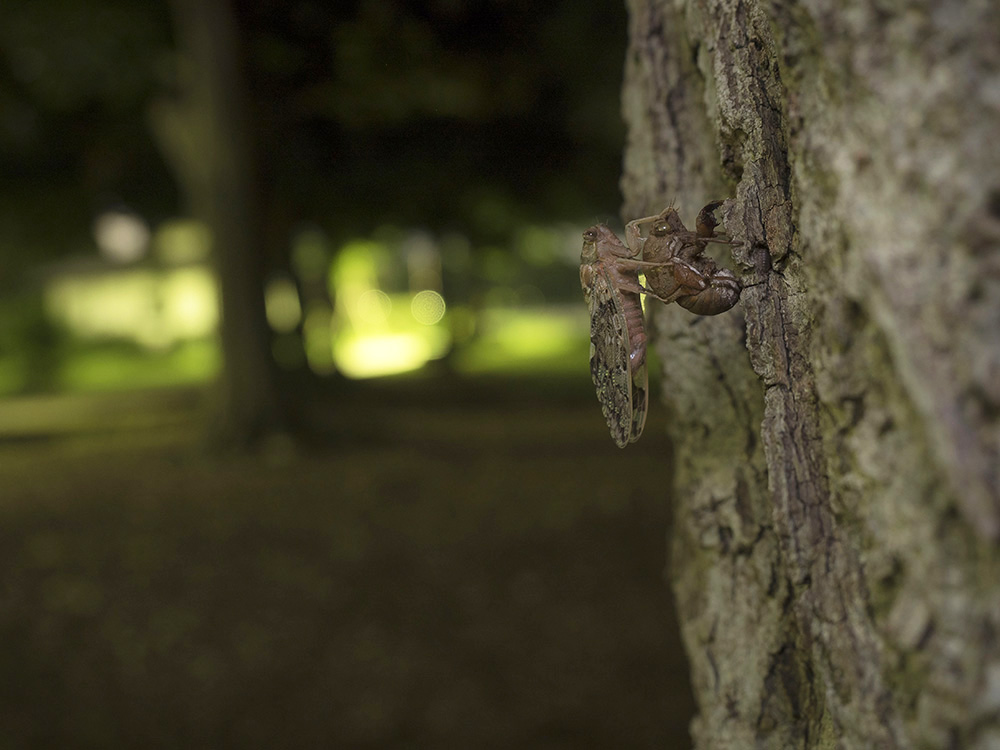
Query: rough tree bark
208, 139
835, 554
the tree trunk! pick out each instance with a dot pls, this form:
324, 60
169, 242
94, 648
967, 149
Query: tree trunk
837, 444
208, 137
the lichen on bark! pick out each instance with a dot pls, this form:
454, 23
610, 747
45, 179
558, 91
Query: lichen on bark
838, 444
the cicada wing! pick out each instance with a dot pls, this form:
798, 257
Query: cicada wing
640, 399
610, 367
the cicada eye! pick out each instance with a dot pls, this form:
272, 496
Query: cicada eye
590, 235
660, 229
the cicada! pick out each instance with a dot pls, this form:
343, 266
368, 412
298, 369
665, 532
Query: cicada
676, 270
679, 271
610, 281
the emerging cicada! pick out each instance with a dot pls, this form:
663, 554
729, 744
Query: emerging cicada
610, 281
676, 270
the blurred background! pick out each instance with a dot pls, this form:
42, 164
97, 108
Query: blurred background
298, 445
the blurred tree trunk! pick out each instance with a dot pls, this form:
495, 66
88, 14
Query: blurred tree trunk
208, 135
835, 555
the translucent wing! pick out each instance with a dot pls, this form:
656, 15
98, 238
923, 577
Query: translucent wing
620, 379
640, 398
640, 381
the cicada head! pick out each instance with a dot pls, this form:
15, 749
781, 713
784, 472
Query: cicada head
588, 255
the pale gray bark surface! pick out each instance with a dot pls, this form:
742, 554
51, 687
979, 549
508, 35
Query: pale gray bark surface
837, 435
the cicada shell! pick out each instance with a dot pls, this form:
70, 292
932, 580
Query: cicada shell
610, 284
678, 270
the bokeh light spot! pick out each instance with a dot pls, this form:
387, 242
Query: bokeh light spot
281, 303
427, 307
122, 237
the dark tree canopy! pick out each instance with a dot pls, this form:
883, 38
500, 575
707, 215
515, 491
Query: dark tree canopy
468, 116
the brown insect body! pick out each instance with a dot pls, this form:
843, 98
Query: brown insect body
679, 271
676, 269
610, 282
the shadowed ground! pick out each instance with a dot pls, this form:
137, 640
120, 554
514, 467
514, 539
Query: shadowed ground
456, 567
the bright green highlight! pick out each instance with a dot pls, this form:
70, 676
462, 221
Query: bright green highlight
515, 339
145, 325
